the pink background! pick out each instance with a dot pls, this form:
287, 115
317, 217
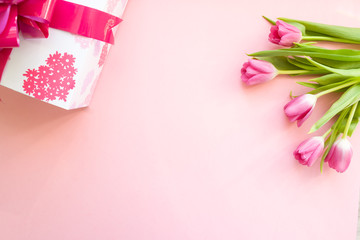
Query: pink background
173, 146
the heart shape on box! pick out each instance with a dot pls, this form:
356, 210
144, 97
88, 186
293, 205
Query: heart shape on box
52, 81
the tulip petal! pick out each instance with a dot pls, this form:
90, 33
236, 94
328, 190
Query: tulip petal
260, 78
244, 78
302, 119
288, 26
309, 150
282, 31
300, 108
250, 71
274, 36
297, 107
329, 155
257, 71
245, 65
340, 161
315, 155
340, 155
262, 66
284, 34
307, 146
289, 39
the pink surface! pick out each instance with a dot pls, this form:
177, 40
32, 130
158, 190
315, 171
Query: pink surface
173, 146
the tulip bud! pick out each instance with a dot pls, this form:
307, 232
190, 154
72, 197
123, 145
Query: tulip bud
340, 154
257, 71
309, 150
300, 108
284, 34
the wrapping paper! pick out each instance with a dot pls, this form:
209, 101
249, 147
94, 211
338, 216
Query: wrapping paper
62, 69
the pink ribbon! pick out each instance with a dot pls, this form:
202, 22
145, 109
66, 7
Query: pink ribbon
34, 17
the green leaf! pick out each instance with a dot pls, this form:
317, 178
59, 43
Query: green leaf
302, 60
272, 22
338, 64
329, 79
343, 72
349, 33
310, 33
351, 96
357, 112
307, 52
310, 85
280, 63
313, 52
301, 65
306, 45
332, 85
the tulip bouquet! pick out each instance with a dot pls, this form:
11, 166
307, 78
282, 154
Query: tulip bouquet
334, 70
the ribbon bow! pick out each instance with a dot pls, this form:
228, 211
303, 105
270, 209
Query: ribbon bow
34, 17
31, 16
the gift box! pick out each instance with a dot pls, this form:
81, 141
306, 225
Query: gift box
62, 68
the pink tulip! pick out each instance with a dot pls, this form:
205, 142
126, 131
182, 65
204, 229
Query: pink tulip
309, 151
340, 155
257, 71
284, 34
300, 108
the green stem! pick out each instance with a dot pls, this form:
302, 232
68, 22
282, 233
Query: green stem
337, 88
289, 72
330, 39
321, 165
327, 133
348, 123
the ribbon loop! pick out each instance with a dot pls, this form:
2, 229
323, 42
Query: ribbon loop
4, 16
32, 16
37, 10
9, 36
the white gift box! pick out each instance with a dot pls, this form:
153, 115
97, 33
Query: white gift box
62, 69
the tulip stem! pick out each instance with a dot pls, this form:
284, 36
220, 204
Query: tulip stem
350, 118
327, 133
336, 88
329, 39
290, 72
